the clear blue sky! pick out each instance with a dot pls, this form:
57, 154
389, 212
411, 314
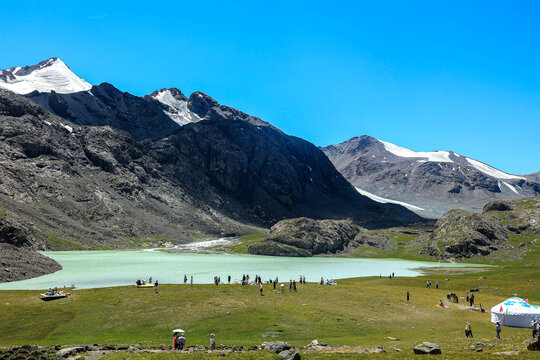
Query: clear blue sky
461, 76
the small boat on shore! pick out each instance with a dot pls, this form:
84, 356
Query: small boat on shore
49, 297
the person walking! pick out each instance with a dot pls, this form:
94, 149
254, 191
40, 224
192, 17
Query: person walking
191, 281
155, 287
407, 297
261, 288
294, 285
275, 281
185, 279
498, 330
471, 300
468, 330
212, 342
290, 285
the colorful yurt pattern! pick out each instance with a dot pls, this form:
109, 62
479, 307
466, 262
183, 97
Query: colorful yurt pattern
515, 312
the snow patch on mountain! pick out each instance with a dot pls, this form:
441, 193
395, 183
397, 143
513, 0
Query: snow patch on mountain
385, 200
439, 156
491, 171
511, 187
177, 108
446, 156
49, 75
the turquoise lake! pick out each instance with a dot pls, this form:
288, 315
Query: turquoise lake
93, 269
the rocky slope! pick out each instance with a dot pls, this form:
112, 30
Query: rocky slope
19, 264
431, 182
106, 105
90, 186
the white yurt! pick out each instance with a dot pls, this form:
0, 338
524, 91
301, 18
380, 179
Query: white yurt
515, 312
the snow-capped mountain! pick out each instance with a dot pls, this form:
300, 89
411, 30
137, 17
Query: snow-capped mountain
429, 183
175, 105
49, 75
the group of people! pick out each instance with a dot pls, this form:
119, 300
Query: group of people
191, 280
53, 292
143, 282
428, 284
328, 282
179, 340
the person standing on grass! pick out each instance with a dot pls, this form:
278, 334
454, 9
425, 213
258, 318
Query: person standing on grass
155, 287
290, 285
185, 279
212, 342
498, 330
407, 297
191, 281
275, 281
468, 330
181, 342
436, 285
175, 340
294, 285
261, 288
471, 299
534, 325
229, 279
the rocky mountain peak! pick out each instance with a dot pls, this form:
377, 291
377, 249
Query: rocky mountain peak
46, 76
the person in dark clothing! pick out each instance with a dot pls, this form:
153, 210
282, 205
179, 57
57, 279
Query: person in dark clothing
155, 287
261, 289
498, 330
229, 279
407, 297
290, 285
275, 285
472, 299
294, 285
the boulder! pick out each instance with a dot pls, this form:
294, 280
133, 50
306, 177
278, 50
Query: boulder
499, 205
70, 351
133, 349
315, 345
427, 348
377, 350
290, 354
534, 345
276, 346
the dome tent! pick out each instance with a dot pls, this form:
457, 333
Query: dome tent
515, 312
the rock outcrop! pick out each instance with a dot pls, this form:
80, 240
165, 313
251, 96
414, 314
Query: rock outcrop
307, 237
462, 234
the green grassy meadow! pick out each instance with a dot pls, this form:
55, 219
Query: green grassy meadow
355, 314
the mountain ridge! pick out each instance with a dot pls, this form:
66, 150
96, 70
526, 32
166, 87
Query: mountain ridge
434, 181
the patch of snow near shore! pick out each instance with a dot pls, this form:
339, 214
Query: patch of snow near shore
385, 200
